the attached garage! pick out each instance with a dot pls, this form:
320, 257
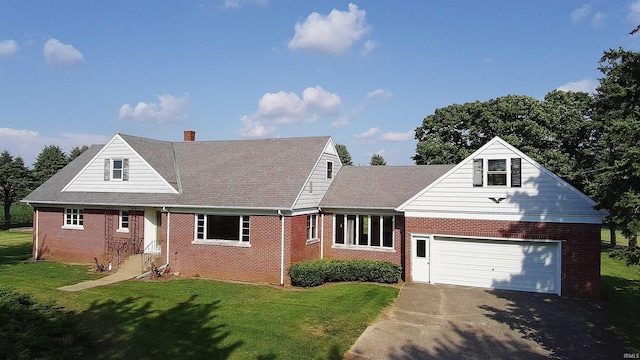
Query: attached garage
523, 265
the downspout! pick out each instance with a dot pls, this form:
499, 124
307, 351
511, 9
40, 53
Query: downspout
281, 248
168, 233
321, 235
35, 255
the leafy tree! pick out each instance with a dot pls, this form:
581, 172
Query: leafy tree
377, 160
343, 154
77, 151
50, 160
616, 183
554, 132
14, 183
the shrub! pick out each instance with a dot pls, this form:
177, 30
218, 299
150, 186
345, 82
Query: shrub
630, 255
318, 272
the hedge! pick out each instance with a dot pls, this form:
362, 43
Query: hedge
318, 272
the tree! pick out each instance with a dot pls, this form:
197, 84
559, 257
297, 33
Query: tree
616, 183
377, 160
554, 132
343, 154
14, 183
50, 160
77, 151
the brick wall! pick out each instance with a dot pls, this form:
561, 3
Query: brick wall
580, 245
78, 245
258, 263
300, 251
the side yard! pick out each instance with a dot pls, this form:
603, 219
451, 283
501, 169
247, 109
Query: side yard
191, 318
621, 292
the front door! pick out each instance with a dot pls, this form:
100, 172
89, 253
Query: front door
420, 259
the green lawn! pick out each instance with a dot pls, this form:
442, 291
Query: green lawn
196, 318
621, 292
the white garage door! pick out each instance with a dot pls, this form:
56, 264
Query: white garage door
500, 264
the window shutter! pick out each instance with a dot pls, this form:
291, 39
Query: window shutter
107, 169
477, 172
125, 169
516, 172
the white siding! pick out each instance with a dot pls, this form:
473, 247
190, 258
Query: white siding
142, 177
542, 196
317, 184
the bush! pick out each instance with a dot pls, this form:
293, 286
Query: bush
630, 255
318, 272
21, 215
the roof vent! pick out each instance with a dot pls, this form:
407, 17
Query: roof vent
189, 135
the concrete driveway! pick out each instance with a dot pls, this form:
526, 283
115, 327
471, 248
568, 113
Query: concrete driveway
456, 322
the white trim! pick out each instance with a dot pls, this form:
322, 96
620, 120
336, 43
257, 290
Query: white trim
112, 167
204, 234
322, 237
281, 250
559, 218
355, 245
232, 243
168, 233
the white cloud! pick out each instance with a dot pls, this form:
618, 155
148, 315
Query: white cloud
598, 19
334, 33
634, 12
170, 109
394, 136
340, 123
379, 94
580, 13
8, 47
380, 152
288, 108
368, 47
585, 85
57, 53
28, 144
234, 4
368, 134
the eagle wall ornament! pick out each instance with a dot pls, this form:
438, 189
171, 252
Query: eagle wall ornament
497, 201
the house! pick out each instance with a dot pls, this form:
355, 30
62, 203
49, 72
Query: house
248, 209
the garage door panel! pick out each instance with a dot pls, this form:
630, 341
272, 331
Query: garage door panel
501, 264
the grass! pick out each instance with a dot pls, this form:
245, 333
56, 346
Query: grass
621, 292
192, 318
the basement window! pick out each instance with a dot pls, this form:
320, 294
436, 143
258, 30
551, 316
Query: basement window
225, 228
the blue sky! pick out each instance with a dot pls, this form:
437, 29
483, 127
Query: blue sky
365, 72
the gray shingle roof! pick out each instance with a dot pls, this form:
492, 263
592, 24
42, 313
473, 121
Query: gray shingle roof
264, 173
379, 187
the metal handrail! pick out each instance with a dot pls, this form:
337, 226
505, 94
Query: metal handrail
152, 250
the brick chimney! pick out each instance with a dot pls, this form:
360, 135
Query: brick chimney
189, 135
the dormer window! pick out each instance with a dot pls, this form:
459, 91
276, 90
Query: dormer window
329, 169
116, 169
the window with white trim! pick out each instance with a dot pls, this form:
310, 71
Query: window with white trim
223, 227
363, 230
329, 169
116, 169
123, 221
497, 172
312, 226
73, 218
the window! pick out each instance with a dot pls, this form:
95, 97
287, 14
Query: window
329, 169
222, 227
116, 169
371, 231
124, 221
312, 227
73, 218
496, 173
